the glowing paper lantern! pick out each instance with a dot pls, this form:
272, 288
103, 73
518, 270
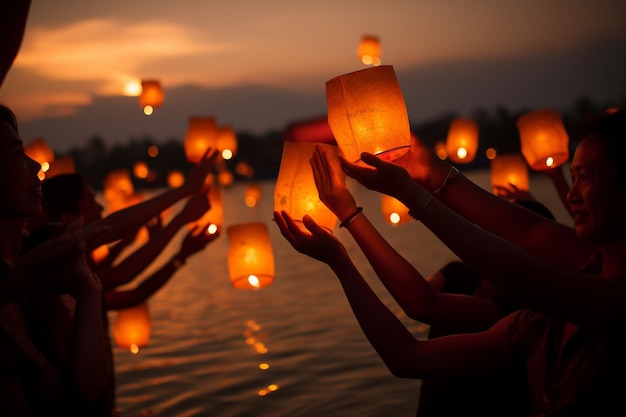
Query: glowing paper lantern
132, 327
118, 184
314, 130
141, 170
226, 141
60, 166
39, 150
212, 219
252, 194
295, 191
544, 139
201, 135
367, 113
509, 169
462, 141
250, 256
369, 50
175, 178
394, 212
151, 96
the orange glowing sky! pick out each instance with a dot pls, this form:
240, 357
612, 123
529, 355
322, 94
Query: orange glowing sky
76, 50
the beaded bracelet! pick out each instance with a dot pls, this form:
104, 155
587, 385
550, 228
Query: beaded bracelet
450, 178
351, 217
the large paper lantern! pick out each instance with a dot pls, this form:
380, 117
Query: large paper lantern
61, 166
39, 151
394, 212
295, 191
544, 139
213, 218
369, 50
132, 327
367, 113
250, 256
201, 135
509, 169
462, 141
226, 141
151, 96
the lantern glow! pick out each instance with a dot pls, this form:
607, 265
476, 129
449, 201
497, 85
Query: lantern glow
201, 135
462, 140
367, 113
369, 50
226, 141
250, 256
132, 327
60, 166
544, 139
213, 218
295, 191
509, 169
151, 96
394, 212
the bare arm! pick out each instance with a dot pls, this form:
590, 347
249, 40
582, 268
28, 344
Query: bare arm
13, 17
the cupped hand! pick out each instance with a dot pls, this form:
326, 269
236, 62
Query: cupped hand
423, 165
331, 185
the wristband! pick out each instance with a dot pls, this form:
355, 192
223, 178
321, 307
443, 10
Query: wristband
351, 217
450, 179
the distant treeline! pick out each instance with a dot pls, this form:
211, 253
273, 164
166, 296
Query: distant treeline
497, 129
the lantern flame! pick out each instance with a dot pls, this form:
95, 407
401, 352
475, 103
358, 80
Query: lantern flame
461, 153
212, 229
394, 218
549, 161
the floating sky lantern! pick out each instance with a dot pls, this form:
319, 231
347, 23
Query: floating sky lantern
462, 140
509, 169
141, 170
244, 169
369, 50
213, 218
295, 191
250, 256
394, 212
118, 184
201, 135
39, 150
60, 166
132, 327
151, 96
252, 194
367, 113
544, 139
226, 141
175, 178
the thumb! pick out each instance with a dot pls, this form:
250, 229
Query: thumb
311, 226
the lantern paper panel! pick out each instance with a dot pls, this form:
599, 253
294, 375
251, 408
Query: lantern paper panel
369, 50
295, 191
462, 141
118, 184
509, 169
394, 212
544, 139
367, 113
151, 95
201, 135
61, 166
132, 327
250, 256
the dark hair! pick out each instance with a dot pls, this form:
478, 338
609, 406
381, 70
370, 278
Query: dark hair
7, 115
61, 194
611, 129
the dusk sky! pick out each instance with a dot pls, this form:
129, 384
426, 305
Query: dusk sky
259, 65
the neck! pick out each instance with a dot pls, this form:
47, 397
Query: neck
11, 238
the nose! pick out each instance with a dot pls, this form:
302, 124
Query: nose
573, 196
36, 165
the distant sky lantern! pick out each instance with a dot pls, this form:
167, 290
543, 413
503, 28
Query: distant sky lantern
132, 327
151, 96
369, 50
252, 194
312, 130
118, 183
141, 170
491, 153
39, 150
250, 256
212, 219
394, 212
367, 113
226, 141
244, 169
60, 166
295, 191
224, 176
509, 169
175, 178
544, 139
153, 151
201, 135
440, 150
462, 141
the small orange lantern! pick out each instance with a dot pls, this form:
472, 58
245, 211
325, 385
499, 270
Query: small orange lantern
132, 327
367, 113
394, 212
212, 219
118, 184
509, 169
244, 169
60, 166
544, 139
141, 170
369, 50
39, 150
252, 195
151, 96
226, 141
201, 135
250, 256
295, 191
175, 178
462, 141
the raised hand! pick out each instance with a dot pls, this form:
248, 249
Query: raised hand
512, 193
331, 185
195, 207
195, 241
196, 178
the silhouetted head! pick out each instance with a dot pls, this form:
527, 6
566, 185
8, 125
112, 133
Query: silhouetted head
598, 193
67, 197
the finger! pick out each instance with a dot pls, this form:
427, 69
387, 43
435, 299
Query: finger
312, 227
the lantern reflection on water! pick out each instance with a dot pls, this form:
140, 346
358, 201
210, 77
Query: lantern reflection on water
367, 113
250, 256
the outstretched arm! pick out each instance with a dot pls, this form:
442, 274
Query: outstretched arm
13, 16
405, 356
